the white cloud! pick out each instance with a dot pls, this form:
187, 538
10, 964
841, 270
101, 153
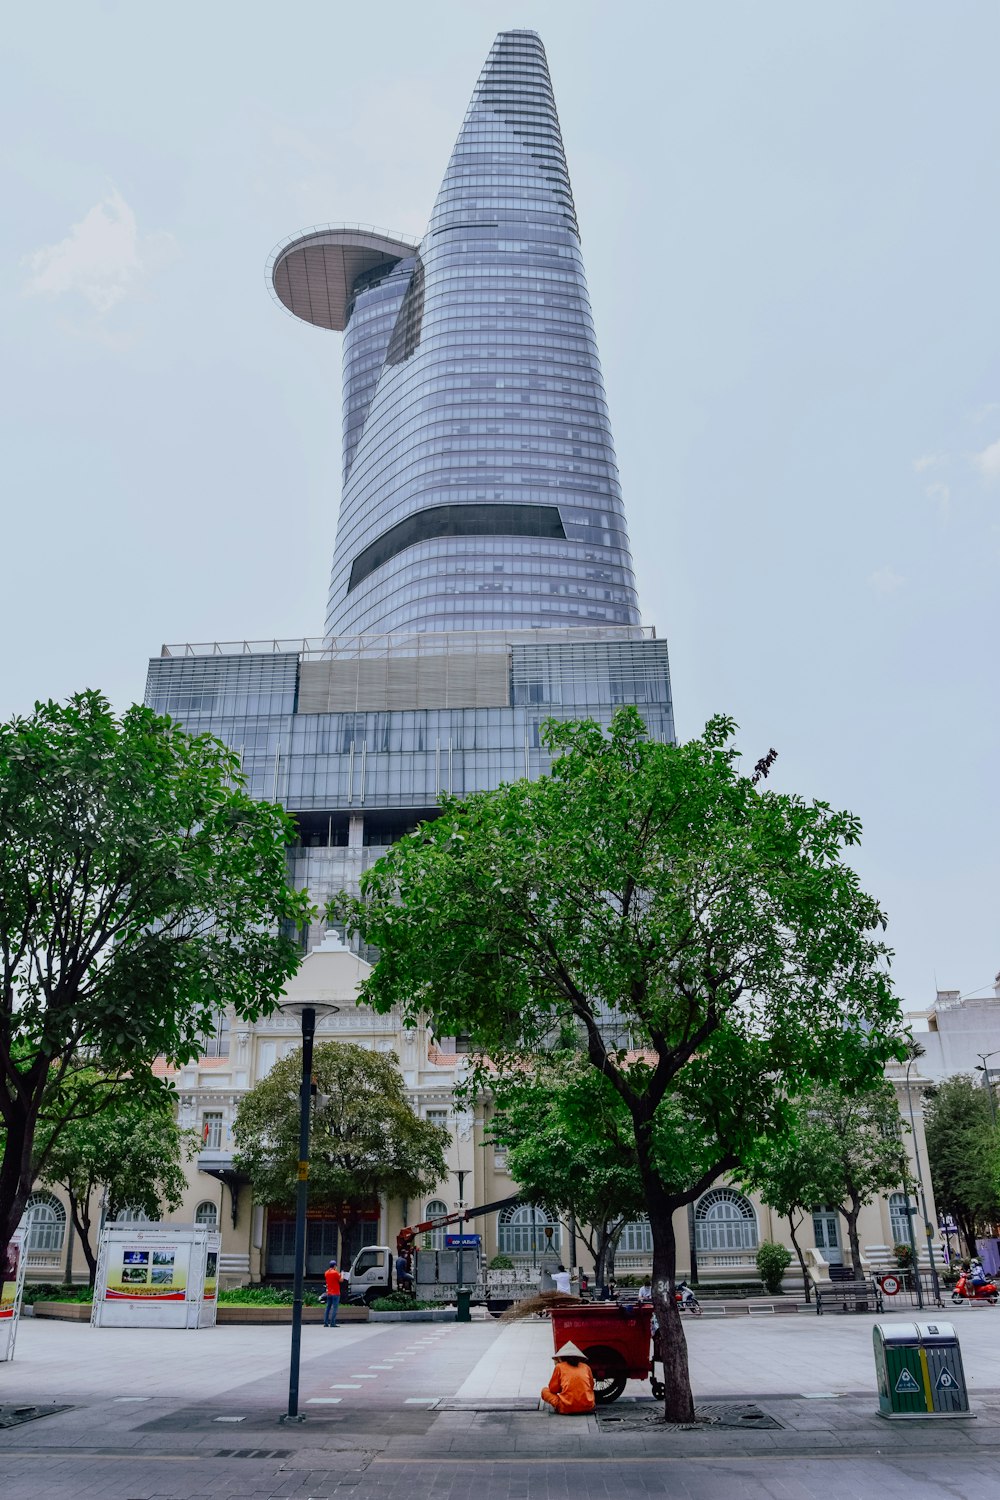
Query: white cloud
941, 495
885, 581
988, 462
927, 461
104, 258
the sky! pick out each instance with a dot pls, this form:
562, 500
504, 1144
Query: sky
790, 226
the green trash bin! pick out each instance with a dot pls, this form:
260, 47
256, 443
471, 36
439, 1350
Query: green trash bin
920, 1373
464, 1300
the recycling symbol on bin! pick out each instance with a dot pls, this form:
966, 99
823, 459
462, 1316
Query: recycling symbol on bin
906, 1385
946, 1381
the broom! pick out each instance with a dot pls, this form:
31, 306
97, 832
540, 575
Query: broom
537, 1304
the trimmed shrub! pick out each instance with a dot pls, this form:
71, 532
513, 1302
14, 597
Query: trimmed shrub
265, 1296
772, 1263
48, 1291
401, 1303
501, 1263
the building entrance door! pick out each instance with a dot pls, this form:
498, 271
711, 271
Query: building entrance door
826, 1228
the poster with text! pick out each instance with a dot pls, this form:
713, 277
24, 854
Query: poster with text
8, 1280
211, 1274
147, 1273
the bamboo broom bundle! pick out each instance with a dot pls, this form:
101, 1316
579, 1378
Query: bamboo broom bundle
537, 1304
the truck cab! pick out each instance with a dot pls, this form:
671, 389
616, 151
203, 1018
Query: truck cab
371, 1274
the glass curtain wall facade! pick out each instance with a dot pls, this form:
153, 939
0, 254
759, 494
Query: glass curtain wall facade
480, 485
482, 580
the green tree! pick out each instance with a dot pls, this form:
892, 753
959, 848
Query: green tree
570, 1147
964, 1153
787, 1177
648, 887
858, 1137
844, 1148
366, 1139
141, 891
131, 1152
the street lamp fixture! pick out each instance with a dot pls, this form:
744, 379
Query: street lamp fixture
928, 1227
308, 1011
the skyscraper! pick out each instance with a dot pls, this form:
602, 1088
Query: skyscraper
480, 486
481, 580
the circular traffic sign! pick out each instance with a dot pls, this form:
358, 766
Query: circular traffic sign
889, 1285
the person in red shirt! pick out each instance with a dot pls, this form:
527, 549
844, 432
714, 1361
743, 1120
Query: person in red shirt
571, 1387
332, 1278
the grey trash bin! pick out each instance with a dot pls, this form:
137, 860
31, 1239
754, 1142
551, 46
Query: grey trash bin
920, 1373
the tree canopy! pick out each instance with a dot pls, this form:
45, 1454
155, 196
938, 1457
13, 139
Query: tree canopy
652, 889
963, 1148
570, 1146
844, 1148
141, 892
366, 1139
131, 1149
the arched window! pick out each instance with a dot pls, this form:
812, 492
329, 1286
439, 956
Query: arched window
899, 1219
521, 1231
130, 1215
207, 1214
636, 1238
46, 1220
434, 1210
724, 1220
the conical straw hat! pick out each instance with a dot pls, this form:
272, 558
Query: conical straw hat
569, 1351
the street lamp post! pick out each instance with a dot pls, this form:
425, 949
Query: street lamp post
928, 1228
989, 1082
308, 1012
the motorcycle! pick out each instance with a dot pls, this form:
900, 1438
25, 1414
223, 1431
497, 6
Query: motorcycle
687, 1300
967, 1290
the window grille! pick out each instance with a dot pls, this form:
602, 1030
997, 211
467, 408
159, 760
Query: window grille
899, 1219
636, 1238
435, 1209
46, 1220
724, 1220
521, 1231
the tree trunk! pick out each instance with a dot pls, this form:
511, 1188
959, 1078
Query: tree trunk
80, 1215
601, 1259
678, 1402
802, 1260
851, 1215
15, 1176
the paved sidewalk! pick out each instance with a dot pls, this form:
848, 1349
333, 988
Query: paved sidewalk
445, 1410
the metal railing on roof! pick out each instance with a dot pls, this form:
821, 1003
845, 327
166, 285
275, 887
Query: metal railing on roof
411, 643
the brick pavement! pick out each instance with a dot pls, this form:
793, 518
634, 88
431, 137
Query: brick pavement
423, 1412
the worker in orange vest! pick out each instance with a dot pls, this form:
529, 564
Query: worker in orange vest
571, 1388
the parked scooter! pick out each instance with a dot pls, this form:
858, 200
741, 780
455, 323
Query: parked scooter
969, 1288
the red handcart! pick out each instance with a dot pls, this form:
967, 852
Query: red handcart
616, 1340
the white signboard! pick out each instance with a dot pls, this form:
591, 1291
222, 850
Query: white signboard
156, 1276
11, 1287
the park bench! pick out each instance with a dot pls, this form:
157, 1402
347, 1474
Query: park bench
866, 1296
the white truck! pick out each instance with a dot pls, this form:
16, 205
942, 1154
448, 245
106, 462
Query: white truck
438, 1275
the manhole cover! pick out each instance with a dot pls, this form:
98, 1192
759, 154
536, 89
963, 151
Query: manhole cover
252, 1452
13, 1416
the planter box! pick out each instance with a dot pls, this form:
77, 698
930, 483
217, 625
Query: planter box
79, 1312
234, 1313
429, 1315
68, 1312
